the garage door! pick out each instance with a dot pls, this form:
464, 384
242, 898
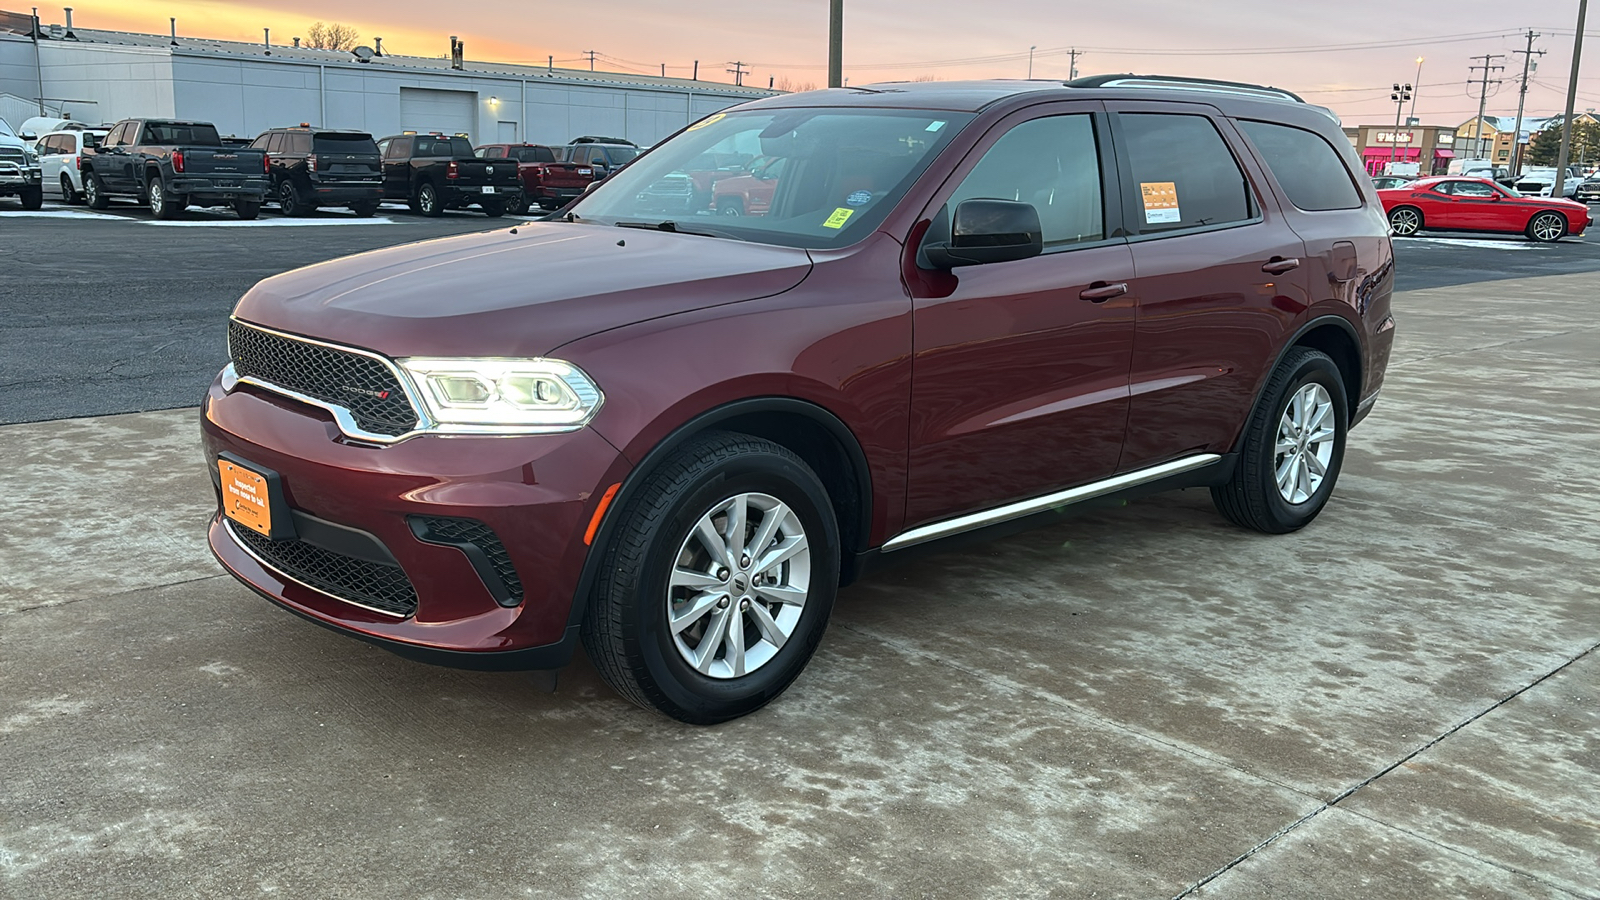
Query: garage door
449, 112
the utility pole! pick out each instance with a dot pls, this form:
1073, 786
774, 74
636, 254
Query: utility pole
1072, 73
1522, 100
1412, 116
738, 72
1565, 155
836, 43
1483, 94
38, 59
1401, 94
1030, 61
590, 54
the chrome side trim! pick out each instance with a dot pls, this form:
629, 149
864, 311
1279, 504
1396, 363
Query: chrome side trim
228, 525
1021, 508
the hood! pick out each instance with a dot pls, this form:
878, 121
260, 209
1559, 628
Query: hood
516, 293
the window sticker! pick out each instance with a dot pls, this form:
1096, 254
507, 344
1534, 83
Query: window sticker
708, 120
938, 124
839, 217
859, 198
1160, 202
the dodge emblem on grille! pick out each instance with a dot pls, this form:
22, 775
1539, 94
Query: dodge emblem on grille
377, 395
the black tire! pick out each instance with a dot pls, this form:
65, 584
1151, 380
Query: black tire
428, 202
730, 206
1550, 221
364, 208
290, 203
162, 204
494, 209
521, 208
626, 630
94, 192
1251, 498
1405, 221
247, 209
32, 198
68, 195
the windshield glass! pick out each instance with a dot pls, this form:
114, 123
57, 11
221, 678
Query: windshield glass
800, 177
532, 154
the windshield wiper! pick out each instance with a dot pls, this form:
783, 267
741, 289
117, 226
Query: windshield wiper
672, 227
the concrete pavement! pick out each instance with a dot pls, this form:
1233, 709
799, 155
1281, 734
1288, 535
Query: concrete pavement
1403, 700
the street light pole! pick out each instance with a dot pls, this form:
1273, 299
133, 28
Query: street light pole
1401, 94
1030, 62
836, 43
1572, 95
1415, 91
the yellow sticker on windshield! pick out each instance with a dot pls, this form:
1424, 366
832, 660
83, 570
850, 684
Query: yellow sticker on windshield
708, 120
839, 217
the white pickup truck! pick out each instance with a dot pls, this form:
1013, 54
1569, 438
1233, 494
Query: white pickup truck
19, 169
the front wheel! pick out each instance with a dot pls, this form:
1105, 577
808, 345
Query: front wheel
247, 209
1547, 227
1405, 221
1293, 447
94, 192
32, 198
717, 583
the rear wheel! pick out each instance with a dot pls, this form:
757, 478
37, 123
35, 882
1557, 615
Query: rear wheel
717, 584
364, 207
162, 204
1293, 447
247, 209
291, 202
68, 195
1405, 220
1547, 227
94, 192
428, 200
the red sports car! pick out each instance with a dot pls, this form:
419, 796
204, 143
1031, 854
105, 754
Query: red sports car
1478, 204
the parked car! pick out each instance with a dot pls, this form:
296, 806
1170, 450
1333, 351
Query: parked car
435, 172
1384, 182
60, 156
1541, 182
750, 194
1588, 190
313, 167
1478, 204
603, 158
20, 175
674, 443
172, 165
546, 181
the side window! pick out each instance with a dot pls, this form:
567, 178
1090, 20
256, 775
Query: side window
261, 142
1183, 174
114, 139
1307, 167
383, 149
50, 146
275, 144
299, 142
1472, 189
1052, 163
1445, 187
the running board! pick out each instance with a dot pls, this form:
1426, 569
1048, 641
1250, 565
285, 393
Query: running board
1021, 508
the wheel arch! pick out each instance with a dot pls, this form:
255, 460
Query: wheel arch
811, 431
1334, 335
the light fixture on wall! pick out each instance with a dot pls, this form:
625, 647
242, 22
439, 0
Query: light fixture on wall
494, 101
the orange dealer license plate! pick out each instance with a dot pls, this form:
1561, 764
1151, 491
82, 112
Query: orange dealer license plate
247, 496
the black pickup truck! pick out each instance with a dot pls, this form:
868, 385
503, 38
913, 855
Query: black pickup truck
173, 165
436, 172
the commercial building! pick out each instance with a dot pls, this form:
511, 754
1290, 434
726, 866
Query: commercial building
244, 89
1497, 135
1431, 147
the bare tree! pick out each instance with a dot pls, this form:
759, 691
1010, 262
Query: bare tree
789, 85
331, 37
927, 78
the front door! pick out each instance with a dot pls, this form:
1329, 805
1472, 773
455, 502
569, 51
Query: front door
1020, 379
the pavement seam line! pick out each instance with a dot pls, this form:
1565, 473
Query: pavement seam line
1461, 851
1411, 360
1057, 700
1350, 791
149, 587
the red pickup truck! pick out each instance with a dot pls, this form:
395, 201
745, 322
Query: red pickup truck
545, 181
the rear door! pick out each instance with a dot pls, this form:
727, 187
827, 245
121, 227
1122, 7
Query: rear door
1020, 379
397, 167
1219, 278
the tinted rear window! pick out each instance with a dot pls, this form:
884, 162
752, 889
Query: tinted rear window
532, 154
353, 142
443, 146
200, 135
1184, 175
1306, 166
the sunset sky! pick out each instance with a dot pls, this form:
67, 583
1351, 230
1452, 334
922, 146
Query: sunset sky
1291, 45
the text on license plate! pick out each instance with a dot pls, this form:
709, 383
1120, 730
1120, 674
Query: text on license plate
244, 497
488, 190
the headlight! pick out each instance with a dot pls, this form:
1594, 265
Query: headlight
484, 396
30, 155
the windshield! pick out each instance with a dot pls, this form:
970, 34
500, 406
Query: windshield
5, 129
800, 177
533, 154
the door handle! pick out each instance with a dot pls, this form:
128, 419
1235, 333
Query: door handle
1100, 292
1278, 265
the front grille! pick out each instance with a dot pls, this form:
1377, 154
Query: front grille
382, 587
471, 531
365, 386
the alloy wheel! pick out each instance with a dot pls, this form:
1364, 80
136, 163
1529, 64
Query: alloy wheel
1304, 448
738, 585
158, 198
1548, 227
1405, 222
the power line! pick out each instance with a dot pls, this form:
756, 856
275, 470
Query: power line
738, 72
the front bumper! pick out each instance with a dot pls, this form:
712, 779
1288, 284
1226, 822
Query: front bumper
534, 493
15, 177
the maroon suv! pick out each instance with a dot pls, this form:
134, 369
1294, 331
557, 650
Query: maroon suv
673, 439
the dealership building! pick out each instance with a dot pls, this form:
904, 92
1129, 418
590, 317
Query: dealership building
103, 76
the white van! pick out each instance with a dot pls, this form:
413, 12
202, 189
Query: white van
59, 152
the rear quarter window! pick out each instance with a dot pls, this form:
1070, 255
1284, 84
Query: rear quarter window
1184, 174
1306, 166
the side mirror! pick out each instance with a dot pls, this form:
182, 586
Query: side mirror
988, 231
28, 136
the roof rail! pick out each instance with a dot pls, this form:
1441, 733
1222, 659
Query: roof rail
1173, 83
